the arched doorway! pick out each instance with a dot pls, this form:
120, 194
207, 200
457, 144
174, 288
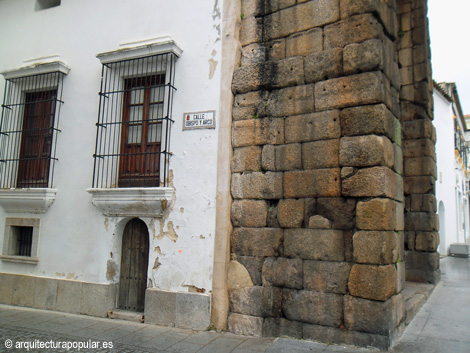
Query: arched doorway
134, 265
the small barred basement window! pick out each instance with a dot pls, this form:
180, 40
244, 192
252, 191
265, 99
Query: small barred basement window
29, 126
134, 122
20, 241
22, 238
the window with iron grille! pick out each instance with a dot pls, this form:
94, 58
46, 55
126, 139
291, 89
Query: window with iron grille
28, 130
21, 240
134, 122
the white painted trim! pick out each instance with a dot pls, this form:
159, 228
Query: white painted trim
141, 49
33, 200
132, 202
36, 69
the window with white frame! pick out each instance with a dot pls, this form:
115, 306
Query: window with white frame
20, 242
135, 117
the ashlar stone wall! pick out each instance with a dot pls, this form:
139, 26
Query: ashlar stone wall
419, 137
318, 207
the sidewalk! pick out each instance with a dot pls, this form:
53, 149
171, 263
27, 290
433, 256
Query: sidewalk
441, 326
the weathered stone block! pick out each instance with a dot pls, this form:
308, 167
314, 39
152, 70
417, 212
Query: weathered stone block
373, 316
256, 301
314, 244
373, 282
380, 214
427, 241
323, 65
360, 89
251, 30
276, 50
268, 75
421, 221
98, 299
419, 148
313, 307
319, 222
256, 241
366, 151
421, 203
249, 213
423, 261
45, 291
254, 267
283, 157
377, 248
238, 276
245, 325
291, 101
193, 311
23, 293
253, 54
257, 185
312, 183
305, 43
258, 132
419, 185
275, 5
160, 307
68, 296
370, 120
385, 10
257, 99
340, 211
282, 272
420, 166
290, 213
320, 154
324, 276
246, 159
313, 127
355, 29
363, 57
252, 8
417, 129
300, 18
277, 327
375, 182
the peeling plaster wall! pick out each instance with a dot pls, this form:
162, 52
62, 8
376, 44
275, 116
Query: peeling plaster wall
76, 240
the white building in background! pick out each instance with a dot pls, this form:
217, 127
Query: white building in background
452, 167
113, 152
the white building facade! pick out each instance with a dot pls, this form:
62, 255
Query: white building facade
451, 151
117, 202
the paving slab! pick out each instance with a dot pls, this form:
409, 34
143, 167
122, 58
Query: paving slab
440, 326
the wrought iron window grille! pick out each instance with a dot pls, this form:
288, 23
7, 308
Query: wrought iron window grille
28, 130
134, 122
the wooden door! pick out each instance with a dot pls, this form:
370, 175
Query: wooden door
141, 132
36, 139
134, 264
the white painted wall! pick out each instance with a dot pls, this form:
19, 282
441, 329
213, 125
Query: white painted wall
76, 240
451, 178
